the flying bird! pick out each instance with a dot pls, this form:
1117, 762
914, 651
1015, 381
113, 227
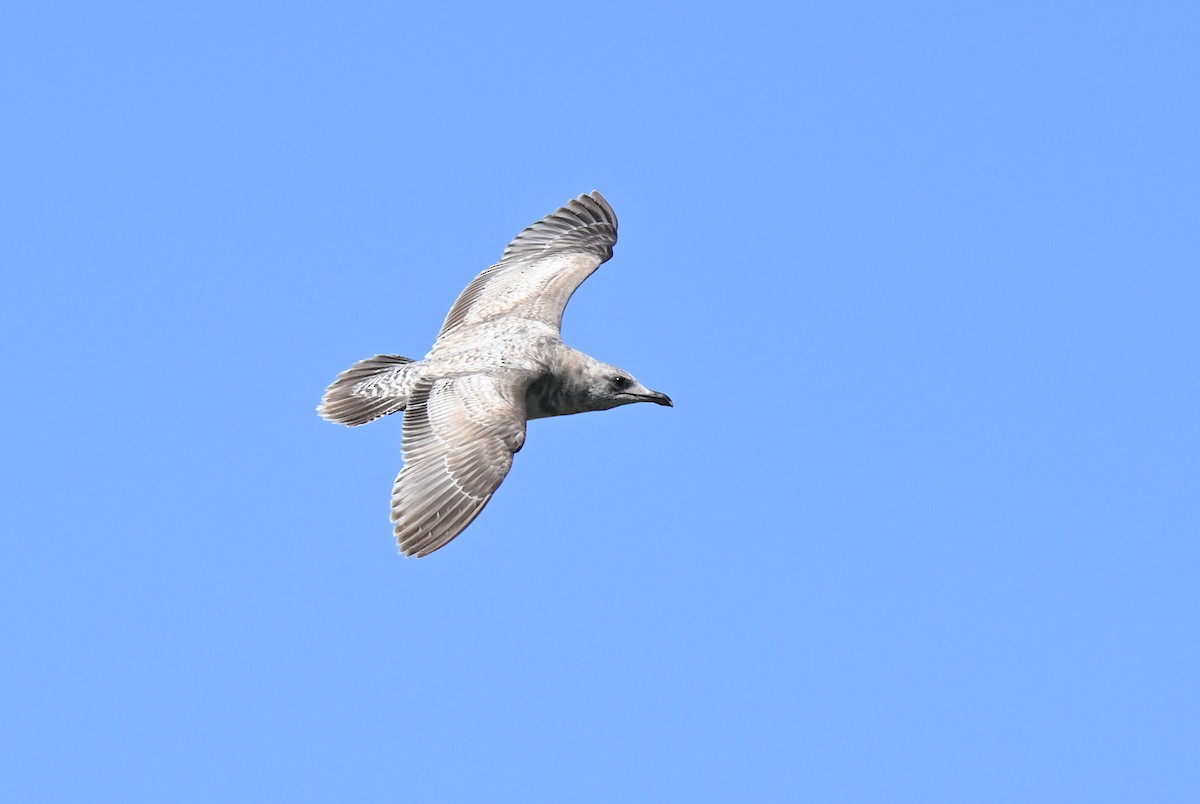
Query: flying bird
498, 362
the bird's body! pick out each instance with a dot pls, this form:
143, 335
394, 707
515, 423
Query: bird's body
498, 362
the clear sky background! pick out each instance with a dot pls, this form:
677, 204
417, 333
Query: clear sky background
923, 280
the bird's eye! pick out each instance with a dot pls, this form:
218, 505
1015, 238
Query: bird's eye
619, 383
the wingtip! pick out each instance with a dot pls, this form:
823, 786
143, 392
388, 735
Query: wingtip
595, 195
585, 223
599, 199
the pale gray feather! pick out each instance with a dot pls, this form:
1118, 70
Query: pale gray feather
540, 270
460, 434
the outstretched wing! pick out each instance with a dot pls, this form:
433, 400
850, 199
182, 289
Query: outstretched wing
540, 269
460, 434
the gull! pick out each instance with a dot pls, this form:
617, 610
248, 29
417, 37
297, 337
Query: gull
498, 362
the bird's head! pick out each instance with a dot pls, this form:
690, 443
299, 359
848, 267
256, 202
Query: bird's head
610, 387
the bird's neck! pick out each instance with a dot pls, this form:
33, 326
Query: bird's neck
563, 389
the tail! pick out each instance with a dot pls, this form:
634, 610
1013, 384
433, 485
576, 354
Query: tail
368, 390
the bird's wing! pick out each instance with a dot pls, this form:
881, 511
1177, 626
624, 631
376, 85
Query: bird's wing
460, 434
540, 269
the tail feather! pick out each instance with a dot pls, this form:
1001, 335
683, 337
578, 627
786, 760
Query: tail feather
368, 390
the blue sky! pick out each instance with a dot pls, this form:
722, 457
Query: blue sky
922, 527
